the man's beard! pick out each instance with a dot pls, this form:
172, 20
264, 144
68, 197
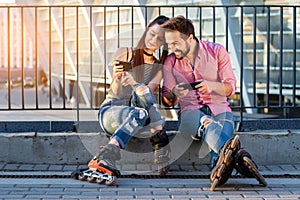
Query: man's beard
182, 54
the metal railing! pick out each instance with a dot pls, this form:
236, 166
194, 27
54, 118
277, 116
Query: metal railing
55, 57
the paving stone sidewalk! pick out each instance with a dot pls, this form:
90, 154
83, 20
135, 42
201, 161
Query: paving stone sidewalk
145, 188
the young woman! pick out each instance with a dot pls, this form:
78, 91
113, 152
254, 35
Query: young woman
130, 104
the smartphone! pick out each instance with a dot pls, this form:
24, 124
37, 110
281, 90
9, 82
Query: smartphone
190, 86
127, 66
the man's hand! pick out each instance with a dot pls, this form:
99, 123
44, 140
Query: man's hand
205, 87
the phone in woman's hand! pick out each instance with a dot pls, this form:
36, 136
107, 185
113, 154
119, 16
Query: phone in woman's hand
127, 66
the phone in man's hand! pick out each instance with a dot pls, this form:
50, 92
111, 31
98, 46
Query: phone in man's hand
127, 66
190, 86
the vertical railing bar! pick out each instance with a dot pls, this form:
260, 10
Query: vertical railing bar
173, 11
268, 57
64, 60
242, 67
132, 26
22, 59
200, 21
8, 61
159, 12
104, 51
254, 55
187, 12
281, 57
50, 59
77, 65
159, 87
91, 58
294, 53
118, 26
36, 58
214, 24
227, 28
146, 16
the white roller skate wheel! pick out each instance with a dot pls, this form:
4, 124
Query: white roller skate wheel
82, 177
111, 182
91, 179
227, 157
220, 170
213, 185
100, 180
234, 141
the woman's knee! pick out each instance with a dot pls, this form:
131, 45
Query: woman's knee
140, 115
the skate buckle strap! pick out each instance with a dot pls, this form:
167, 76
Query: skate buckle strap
110, 149
200, 133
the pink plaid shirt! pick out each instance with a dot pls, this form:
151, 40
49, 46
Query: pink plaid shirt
213, 64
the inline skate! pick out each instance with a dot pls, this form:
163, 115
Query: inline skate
97, 171
247, 167
225, 164
162, 151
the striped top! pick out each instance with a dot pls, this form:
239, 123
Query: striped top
125, 95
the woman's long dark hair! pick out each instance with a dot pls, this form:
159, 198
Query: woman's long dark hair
138, 52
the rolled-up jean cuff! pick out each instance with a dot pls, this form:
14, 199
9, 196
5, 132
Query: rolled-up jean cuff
137, 85
100, 120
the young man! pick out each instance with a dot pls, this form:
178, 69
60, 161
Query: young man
204, 111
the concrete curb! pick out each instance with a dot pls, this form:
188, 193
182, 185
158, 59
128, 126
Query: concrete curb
267, 148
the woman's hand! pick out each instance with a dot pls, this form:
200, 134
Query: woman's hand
127, 79
180, 92
118, 70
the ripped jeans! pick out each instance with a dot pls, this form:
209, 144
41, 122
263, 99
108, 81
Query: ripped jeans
216, 134
122, 122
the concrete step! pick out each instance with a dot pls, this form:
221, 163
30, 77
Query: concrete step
267, 147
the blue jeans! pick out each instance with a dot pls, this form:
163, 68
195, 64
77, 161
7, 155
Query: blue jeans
122, 122
216, 133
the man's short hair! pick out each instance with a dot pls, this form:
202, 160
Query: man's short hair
180, 24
